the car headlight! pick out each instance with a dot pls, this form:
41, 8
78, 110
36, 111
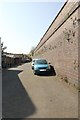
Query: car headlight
36, 68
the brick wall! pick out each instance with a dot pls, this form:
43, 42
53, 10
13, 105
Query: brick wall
59, 44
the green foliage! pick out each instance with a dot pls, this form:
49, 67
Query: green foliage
2, 48
32, 51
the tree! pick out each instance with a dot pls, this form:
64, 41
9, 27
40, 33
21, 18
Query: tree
2, 48
32, 51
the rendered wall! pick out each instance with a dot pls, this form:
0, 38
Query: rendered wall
0, 53
0, 84
59, 45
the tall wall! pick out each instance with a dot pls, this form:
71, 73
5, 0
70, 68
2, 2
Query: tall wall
59, 44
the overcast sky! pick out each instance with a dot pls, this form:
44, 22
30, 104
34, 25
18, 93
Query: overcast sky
22, 24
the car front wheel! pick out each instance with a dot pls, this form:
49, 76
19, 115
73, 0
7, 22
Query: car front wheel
34, 72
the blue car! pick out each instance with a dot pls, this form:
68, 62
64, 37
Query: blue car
41, 66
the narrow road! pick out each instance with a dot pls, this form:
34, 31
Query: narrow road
26, 95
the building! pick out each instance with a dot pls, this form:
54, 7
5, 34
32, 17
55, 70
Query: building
0, 53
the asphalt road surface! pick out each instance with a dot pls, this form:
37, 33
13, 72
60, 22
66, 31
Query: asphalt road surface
25, 95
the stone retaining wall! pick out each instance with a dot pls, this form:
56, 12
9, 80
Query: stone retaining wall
59, 44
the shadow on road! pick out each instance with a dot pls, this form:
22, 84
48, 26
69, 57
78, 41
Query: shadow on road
16, 102
51, 73
43, 119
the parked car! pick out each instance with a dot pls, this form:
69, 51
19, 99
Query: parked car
33, 61
41, 66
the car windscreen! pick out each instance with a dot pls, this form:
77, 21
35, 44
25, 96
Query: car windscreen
40, 62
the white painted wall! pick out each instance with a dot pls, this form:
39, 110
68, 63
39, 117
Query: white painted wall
0, 84
0, 53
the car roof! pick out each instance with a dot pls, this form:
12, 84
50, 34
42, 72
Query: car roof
34, 59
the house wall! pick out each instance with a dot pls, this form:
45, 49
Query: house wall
17, 60
7, 61
59, 45
0, 53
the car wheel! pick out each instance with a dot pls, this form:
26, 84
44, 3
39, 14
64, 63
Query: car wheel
34, 72
32, 68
